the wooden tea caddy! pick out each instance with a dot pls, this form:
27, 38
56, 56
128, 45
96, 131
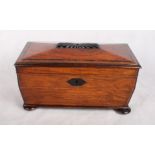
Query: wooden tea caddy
77, 75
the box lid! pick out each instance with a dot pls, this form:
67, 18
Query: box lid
77, 55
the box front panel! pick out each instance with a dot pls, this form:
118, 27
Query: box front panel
77, 87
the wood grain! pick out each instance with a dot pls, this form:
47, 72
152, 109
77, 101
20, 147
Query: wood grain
110, 73
78, 70
47, 54
101, 90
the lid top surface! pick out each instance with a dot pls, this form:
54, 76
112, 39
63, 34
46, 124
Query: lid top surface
106, 54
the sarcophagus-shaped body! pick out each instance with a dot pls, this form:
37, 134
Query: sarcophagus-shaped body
80, 75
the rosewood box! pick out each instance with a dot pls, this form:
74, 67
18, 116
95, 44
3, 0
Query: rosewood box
77, 75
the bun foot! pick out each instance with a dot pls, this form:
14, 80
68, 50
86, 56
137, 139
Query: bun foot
124, 110
29, 108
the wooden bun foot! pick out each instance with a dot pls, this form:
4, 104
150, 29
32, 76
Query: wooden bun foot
29, 108
123, 110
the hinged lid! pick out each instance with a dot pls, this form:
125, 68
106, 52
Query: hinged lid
77, 55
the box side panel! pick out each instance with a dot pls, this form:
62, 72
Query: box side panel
103, 88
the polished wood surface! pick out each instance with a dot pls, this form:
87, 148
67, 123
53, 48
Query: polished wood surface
53, 89
110, 85
49, 54
108, 72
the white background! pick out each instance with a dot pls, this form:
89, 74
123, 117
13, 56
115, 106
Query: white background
142, 102
78, 15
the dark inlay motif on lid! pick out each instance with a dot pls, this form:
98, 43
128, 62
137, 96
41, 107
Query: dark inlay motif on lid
77, 45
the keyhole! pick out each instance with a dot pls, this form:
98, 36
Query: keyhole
76, 82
